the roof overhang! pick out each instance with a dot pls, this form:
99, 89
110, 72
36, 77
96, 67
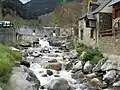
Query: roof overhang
114, 2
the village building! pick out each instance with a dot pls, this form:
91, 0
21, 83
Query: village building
100, 26
92, 22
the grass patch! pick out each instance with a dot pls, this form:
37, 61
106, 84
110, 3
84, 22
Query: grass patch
7, 62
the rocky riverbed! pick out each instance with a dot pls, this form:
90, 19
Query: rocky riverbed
57, 68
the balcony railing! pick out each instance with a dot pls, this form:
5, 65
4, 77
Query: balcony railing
110, 32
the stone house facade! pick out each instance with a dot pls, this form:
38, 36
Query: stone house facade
106, 33
110, 43
92, 22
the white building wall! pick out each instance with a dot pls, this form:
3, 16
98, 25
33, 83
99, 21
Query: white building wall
86, 34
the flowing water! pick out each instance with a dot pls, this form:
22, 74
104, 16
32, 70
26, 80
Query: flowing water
37, 68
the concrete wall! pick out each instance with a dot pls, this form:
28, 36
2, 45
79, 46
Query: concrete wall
86, 34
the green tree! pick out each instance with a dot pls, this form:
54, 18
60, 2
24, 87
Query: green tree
11, 6
67, 14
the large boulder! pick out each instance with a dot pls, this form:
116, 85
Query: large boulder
99, 65
78, 75
108, 65
77, 66
110, 77
23, 79
91, 75
73, 54
58, 84
87, 67
95, 82
55, 66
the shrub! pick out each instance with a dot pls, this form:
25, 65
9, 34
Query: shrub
93, 55
79, 47
71, 45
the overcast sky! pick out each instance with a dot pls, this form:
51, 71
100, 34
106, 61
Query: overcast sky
24, 1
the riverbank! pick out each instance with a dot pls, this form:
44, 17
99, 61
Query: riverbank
7, 62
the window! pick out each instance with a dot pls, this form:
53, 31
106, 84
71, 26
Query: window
81, 36
92, 33
87, 23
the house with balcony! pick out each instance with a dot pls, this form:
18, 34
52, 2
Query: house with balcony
101, 26
109, 41
97, 19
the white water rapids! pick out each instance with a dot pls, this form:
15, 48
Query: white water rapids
39, 70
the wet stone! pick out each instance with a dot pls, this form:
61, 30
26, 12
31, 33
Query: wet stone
44, 75
49, 72
56, 76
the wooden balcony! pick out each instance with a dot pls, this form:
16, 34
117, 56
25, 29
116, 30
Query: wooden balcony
110, 32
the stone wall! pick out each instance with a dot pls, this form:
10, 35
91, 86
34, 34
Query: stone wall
110, 44
7, 35
87, 40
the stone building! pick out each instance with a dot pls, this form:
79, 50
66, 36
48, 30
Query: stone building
96, 20
101, 26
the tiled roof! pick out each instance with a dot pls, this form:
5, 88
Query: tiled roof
89, 16
101, 6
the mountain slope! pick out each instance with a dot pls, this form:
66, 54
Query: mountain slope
36, 8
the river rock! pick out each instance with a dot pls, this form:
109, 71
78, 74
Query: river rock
49, 72
36, 54
66, 57
73, 54
44, 75
99, 65
25, 44
58, 84
78, 75
77, 66
116, 84
87, 67
108, 65
68, 65
14, 49
91, 75
110, 77
81, 87
55, 66
95, 82
19, 80
52, 61
56, 75
25, 63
